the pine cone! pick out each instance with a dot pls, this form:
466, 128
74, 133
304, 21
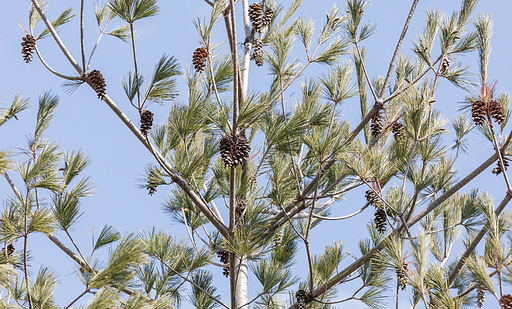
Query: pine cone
278, 241
267, 17
376, 126
227, 148
301, 299
480, 297
234, 150
496, 111
445, 64
380, 220
255, 16
7, 251
398, 131
223, 256
199, 59
257, 54
225, 271
151, 190
506, 301
401, 276
146, 122
10, 249
479, 112
27, 47
241, 204
498, 169
371, 197
98, 83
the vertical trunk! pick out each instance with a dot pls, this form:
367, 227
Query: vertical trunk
242, 284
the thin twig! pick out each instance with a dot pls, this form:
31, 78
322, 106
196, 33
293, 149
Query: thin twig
387, 79
188, 230
82, 44
364, 69
52, 70
79, 296
77, 249
306, 237
102, 32
137, 84
344, 217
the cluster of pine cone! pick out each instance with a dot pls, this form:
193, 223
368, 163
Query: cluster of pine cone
398, 131
224, 259
506, 301
234, 150
98, 83
483, 110
401, 276
27, 47
258, 19
199, 59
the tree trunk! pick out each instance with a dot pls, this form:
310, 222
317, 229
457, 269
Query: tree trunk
242, 284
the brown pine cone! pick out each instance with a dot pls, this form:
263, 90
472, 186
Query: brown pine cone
506, 301
199, 59
445, 64
257, 54
146, 122
278, 241
98, 83
241, 205
225, 271
151, 190
255, 16
496, 171
301, 299
376, 125
371, 197
267, 17
223, 256
27, 47
380, 220
479, 112
480, 297
496, 111
398, 131
401, 276
234, 150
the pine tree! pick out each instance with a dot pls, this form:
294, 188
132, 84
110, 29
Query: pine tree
252, 173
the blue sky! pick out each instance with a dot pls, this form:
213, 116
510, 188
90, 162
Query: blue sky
83, 122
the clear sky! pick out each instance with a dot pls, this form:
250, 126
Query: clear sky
83, 122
